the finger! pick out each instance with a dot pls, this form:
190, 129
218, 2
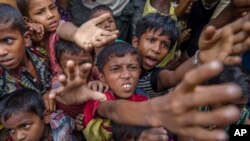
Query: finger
70, 70
62, 79
208, 37
95, 87
219, 117
199, 75
206, 95
106, 88
100, 87
199, 133
93, 95
85, 69
51, 104
100, 19
232, 60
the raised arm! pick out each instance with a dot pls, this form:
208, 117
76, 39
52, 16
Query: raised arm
224, 44
177, 111
88, 35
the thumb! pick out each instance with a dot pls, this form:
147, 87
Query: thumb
97, 96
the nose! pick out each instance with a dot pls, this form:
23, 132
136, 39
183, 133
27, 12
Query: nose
3, 52
125, 74
50, 14
156, 48
20, 136
106, 25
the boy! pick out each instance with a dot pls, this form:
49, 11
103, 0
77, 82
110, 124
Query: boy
23, 115
65, 51
154, 38
180, 115
20, 67
119, 67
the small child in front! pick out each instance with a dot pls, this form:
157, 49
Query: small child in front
23, 115
119, 67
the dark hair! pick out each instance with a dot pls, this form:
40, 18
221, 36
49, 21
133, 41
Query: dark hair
126, 132
63, 46
234, 74
23, 6
156, 21
23, 100
119, 49
99, 8
11, 15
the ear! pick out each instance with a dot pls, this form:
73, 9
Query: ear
27, 39
46, 117
101, 76
135, 41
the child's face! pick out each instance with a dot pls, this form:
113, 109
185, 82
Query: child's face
122, 74
44, 12
12, 47
152, 47
25, 126
80, 59
108, 24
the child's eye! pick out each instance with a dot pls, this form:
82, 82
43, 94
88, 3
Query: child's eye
151, 40
10, 131
165, 45
25, 126
39, 12
115, 69
53, 7
110, 21
8, 41
133, 68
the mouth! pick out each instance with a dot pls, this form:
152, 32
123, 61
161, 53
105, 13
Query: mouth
6, 61
127, 87
53, 24
150, 61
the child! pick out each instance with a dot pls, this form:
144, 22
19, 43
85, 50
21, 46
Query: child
65, 51
154, 38
19, 66
120, 69
108, 25
45, 13
23, 115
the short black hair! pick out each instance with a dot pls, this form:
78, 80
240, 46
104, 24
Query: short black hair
23, 6
235, 74
11, 15
22, 100
126, 132
118, 49
156, 21
99, 8
63, 46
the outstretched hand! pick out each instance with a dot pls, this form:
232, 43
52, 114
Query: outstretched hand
225, 44
89, 35
74, 86
178, 110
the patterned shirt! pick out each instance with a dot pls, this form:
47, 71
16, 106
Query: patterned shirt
148, 83
11, 81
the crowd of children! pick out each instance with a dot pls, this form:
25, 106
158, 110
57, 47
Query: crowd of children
63, 82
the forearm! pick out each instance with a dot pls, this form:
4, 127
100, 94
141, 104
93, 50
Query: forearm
126, 112
181, 8
179, 73
223, 18
67, 31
